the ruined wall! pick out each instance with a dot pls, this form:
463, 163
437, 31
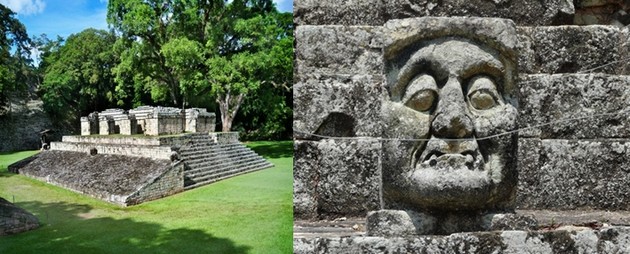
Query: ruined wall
566, 71
20, 125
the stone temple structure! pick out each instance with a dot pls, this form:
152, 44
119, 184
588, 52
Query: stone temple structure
158, 151
462, 127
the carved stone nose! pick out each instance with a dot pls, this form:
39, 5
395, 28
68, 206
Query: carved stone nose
451, 120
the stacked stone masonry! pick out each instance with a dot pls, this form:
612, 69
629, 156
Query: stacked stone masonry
148, 120
573, 103
132, 170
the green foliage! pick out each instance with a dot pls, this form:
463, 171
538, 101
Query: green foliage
14, 68
78, 78
251, 213
192, 51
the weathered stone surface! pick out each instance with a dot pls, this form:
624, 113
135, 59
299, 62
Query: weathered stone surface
571, 174
498, 34
450, 82
338, 50
403, 223
338, 106
609, 239
526, 12
330, 12
602, 12
529, 12
336, 178
573, 99
399, 223
15, 220
573, 49
109, 177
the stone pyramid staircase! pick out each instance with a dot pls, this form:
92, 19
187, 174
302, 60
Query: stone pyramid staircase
207, 161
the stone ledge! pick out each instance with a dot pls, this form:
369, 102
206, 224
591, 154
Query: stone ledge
155, 152
609, 239
576, 231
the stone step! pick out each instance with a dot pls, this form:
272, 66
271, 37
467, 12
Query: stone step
210, 167
216, 155
200, 177
190, 184
196, 160
205, 149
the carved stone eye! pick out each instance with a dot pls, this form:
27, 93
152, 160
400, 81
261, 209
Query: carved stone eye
482, 100
482, 93
421, 94
422, 100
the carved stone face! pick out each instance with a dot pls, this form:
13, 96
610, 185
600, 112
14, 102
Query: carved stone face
456, 94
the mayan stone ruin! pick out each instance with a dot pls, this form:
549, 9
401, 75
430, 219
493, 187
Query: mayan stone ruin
462, 127
129, 157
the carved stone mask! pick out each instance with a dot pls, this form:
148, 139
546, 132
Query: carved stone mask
454, 93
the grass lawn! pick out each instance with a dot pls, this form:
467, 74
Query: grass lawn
251, 213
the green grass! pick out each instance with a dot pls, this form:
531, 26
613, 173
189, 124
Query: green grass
251, 213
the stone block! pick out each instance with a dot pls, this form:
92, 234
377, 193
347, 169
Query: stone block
573, 49
527, 12
106, 126
574, 174
331, 12
338, 106
573, 99
338, 50
610, 239
377, 12
85, 126
336, 178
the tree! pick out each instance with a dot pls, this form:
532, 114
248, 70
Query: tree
78, 78
13, 66
266, 114
181, 50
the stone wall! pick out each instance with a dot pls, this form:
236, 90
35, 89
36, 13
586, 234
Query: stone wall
120, 179
157, 152
573, 80
20, 125
169, 183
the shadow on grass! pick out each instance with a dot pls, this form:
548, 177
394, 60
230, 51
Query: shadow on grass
71, 228
273, 149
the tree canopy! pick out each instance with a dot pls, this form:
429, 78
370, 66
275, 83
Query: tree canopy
78, 78
14, 50
182, 51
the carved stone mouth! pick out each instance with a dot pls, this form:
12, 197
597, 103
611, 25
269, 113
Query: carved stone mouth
465, 158
444, 155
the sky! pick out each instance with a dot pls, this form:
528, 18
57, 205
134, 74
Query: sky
65, 17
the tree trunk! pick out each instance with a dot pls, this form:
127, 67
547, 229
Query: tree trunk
228, 106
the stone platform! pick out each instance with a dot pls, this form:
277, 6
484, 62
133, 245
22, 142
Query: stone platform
559, 232
129, 170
